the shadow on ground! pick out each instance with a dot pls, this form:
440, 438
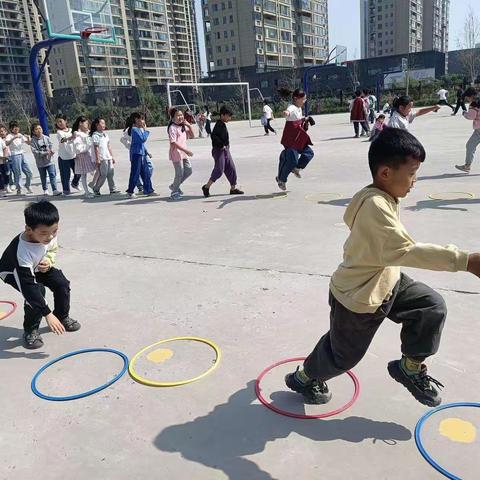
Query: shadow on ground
222, 438
444, 204
338, 202
10, 338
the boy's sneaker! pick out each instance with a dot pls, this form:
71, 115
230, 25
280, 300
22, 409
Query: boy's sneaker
113, 192
152, 194
206, 191
314, 392
418, 384
19, 191
3, 193
29, 191
463, 168
96, 193
11, 188
175, 196
46, 193
236, 191
179, 189
281, 185
70, 324
57, 193
296, 172
130, 195
32, 340
89, 195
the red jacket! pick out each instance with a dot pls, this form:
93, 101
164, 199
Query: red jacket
358, 113
294, 136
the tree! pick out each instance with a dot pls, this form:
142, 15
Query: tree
20, 105
470, 58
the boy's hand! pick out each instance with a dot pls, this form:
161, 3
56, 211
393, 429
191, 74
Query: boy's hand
43, 266
113, 161
473, 265
55, 324
149, 155
189, 153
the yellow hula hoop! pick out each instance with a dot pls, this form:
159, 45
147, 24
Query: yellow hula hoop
145, 381
460, 195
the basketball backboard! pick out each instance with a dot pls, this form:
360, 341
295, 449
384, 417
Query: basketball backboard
68, 18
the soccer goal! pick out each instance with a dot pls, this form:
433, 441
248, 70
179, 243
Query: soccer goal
174, 88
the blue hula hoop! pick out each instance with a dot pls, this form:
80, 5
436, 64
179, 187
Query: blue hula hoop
418, 439
84, 394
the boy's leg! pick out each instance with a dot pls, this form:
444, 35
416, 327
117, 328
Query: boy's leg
422, 313
305, 157
55, 281
187, 169
26, 171
135, 168
230, 170
288, 161
64, 166
16, 163
102, 175
472, 145
52, 174
146, 177
219, 158
43, 177
356, 128
110, 176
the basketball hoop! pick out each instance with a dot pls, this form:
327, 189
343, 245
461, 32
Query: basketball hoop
85, 34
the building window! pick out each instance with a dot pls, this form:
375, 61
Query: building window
219, 62
219, 49
225, 34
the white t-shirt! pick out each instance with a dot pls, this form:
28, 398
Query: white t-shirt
82, 142
294, 113
16, 147
101, 140
399, 121
31, 254
66, 150
442, 93
267, 111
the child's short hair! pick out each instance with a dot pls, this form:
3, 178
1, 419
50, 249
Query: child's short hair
298, 93
381, 116
33, 127
392, 148
13, 124
41, 213
224, 110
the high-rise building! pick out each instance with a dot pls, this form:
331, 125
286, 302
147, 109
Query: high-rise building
390, 27
20, 28
156, 40
266, 34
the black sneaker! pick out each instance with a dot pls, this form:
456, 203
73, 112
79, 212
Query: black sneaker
70, 324
314, 392
206, 191
236, 191
32, 340
419, 385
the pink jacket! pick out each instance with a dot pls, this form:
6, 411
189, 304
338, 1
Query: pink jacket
473, 114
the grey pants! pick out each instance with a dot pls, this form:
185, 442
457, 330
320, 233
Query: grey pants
419, 309
472, 145
105, 172
183, 170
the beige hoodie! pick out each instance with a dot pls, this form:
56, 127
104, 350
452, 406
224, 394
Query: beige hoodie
377, 247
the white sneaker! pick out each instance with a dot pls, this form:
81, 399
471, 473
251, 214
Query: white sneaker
281, 185
296, 172
46, 193
3, 193
131, 195
11, 188
89, 195
56, 193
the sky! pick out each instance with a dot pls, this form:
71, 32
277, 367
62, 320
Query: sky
344, 25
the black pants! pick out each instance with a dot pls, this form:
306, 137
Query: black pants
208, 127
268, 127
445, 102
4, 175
460, 103
357, 128
65, 167
55, 281
419, 309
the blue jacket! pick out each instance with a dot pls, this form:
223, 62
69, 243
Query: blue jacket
139, 137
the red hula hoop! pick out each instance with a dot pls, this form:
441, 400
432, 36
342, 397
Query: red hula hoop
12, 311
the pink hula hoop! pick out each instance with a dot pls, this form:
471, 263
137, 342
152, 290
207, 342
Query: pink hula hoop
262, 399
12, 311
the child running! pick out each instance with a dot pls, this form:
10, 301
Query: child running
28, 265
15, 142
42, 150
221, 155
179, 130
369, 286
82, 144
403, 114
139, 156
66, 155
103, 157
473, 114
377, 127
295, 140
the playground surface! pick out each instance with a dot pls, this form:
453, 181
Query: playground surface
250, 273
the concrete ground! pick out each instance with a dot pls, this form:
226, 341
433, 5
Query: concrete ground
250, 273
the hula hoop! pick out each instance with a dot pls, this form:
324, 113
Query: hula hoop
89, 392
152, 383
418, 438
441, 196
262, 399
11, 312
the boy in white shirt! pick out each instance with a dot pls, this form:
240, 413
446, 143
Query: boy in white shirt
442, 94
267, 118
17, 162
66, 155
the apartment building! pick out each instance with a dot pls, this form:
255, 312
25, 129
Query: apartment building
391, 27
266, 34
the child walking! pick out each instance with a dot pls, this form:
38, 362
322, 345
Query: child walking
359, 114
369, 286
139, 156
178, 131
82, 144
42, 150
474, 115
66, 155
221, 155
28, 265
377, 127
103, 157
297, 153
15, 141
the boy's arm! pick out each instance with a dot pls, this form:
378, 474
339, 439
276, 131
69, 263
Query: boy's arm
424, 111
111, 152
31, 290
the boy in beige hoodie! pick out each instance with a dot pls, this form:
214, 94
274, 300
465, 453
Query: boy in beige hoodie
368, 286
